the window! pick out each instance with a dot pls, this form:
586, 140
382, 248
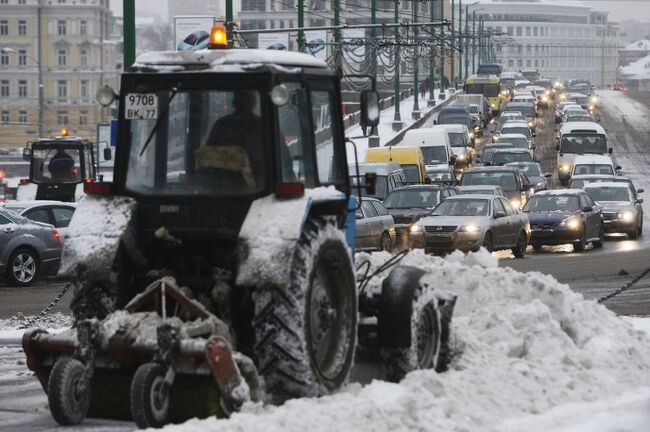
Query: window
322, 101
62, 118
519, 33
61, 27
368, 210
4, 27
511, 31
4, 220
83, 27
4, 117
507, 206
498, 206
22, 57
21, 1
83, 88
534, 31
62, 88
83, 57
22, 27
22, 88
62, 57
527, 31
379, 207
62, 216
4, 59
4, 88
22, 116
38, 215
83, 118
297, 160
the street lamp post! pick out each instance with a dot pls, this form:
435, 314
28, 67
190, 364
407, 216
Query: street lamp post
8, 50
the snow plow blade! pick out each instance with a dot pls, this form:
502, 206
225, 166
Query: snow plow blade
199, 373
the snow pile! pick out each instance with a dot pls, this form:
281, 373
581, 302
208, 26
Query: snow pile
54, 321
525, 350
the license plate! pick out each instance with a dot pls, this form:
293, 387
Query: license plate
141, 106
438, 238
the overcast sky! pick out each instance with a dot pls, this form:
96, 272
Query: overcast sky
619, 9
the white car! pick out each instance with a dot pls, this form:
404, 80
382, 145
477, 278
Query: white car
594, 164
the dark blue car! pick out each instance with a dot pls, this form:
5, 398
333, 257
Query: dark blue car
564, 216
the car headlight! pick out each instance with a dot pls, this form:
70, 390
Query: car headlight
544, 98
539, 185
416, 228
471, 135
516, 203
530, 124
626, 216
494, 105
572, 223
471, 228
562, 97
565, 168
460, 157
594, 99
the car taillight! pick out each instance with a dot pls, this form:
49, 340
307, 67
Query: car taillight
289, 190
57, 236
97, 188
24, 181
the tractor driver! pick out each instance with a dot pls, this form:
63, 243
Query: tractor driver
61, 167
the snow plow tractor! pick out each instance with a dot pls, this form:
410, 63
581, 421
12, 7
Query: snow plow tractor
217, 267
58, 168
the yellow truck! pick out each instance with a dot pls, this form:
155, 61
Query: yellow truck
410, 159
489, 87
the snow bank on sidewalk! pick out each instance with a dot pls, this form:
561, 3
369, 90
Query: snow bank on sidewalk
523, 346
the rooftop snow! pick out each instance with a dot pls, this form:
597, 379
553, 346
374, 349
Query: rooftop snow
641, 45
639, 70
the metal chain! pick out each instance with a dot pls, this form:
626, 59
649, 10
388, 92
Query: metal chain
49, 307
624, 287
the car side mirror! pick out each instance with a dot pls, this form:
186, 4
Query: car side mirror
532, 146
370, 180
548, 175
557, 147
427, 180
499, 214
618, 168
526, 187
534, 134
639, 201
452, 160
587, 209
107, 154
358, 216
27, 154
639, 191
487, 163
435, 122
369, 108
558, 120
610, 150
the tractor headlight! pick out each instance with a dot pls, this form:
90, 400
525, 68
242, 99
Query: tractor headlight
573, 223
471, 228
626, 215
416, 228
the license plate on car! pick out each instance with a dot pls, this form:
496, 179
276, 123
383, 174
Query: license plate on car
439, 238
141, 106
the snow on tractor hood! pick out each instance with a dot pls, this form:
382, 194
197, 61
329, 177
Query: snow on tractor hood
528, 353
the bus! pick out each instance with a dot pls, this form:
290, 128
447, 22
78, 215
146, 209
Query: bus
489, 69
531, 75
489, 87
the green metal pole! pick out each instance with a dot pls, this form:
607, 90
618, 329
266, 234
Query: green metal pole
481, 41
373, 139
441, 95
128, 9
474, 42
415, 114
453, 42
229, 23
337, 36
466, 42
432, 59
301, 25
460, 39
397, 120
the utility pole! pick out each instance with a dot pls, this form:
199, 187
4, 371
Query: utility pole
373, 139
467, 41
460, 40
432, 59
474, 42
397, 120
481, 41
39, 54
229, 23
337, 36
301, 24
453, 43
128, 9
415, 114
441, 94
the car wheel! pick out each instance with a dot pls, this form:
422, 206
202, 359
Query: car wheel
633, 234
640, 230
520, 249
537, 247
384, 242
488, 242
23, 267
601, 238
579, 246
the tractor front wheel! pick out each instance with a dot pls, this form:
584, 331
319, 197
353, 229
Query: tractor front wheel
67, 394
150, 396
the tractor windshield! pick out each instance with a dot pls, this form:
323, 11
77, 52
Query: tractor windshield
56, 165
207, 142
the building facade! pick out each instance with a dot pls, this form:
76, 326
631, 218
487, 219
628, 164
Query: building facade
66, 45
561, 39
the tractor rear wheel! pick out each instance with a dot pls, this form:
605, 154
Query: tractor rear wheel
305, 332
67, 395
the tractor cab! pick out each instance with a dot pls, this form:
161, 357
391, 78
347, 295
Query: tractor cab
58, 167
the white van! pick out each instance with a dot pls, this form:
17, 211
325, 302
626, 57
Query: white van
594, 164
579, 138
434, 143
462, 145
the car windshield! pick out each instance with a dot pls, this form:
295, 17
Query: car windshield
56, 165
581, 144
506, 179
609, 193
456, 119
581, 182
205, 142
412, 198
412, 173
516, 142
579, 118
503, 158
434, 155
477, 192
531, 169
440, 176
526, 111
381, 186
457, 139
516, 130
462, 207
593, 169
546, 203
487, 90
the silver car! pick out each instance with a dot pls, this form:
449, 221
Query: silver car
28, 249
622, 213
375, 228
467, 222
55, 213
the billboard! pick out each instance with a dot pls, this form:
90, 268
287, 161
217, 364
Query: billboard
186, 26
276, 41
316, 43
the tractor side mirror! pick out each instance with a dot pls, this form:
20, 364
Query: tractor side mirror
27, 154
369, 108
107, 154
371, 180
